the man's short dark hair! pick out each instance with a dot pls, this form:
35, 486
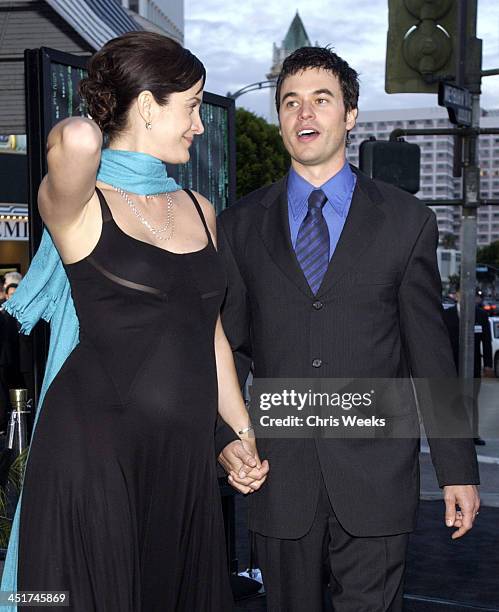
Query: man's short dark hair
325, 59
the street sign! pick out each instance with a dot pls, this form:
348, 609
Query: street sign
457, 101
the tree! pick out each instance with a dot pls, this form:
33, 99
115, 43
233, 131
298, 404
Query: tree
261, 156
448, 241
489, 254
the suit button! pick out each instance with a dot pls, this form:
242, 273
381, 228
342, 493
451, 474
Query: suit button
318, 305
316, 363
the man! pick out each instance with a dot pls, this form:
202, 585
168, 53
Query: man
483, 346
333, 275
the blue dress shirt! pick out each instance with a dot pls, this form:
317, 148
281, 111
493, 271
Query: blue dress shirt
339, 192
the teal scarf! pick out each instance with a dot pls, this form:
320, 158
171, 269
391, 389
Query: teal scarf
45, 293
135, 172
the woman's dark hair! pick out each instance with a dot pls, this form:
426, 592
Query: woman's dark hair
129, 64
325, 59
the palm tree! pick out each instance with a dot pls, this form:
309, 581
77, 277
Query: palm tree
8, 493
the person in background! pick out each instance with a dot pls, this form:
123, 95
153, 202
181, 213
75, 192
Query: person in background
12, 277
483, 349
10, 370
10, 290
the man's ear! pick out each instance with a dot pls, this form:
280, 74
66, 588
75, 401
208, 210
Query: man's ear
351, 118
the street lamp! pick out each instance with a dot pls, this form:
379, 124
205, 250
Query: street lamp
252, 87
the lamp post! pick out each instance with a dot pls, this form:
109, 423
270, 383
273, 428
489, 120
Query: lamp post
251, 87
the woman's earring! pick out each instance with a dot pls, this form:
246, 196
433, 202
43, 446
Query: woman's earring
148, 125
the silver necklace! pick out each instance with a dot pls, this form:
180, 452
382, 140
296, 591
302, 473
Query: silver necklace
156, 231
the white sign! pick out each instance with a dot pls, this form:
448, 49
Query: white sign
14, 230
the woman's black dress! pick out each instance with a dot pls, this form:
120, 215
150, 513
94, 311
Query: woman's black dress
121, 505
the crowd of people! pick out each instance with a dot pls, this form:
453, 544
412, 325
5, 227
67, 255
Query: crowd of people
15, 354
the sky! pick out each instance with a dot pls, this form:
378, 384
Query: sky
234, 40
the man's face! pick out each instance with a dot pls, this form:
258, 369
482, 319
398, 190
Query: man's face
313, 120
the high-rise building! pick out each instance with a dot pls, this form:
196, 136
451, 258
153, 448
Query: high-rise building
295, 38
162, 16
437, 155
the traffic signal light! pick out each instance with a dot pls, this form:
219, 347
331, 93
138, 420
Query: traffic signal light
423, 43
392, 161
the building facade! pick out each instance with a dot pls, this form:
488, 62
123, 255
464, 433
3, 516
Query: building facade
437, 155
295, 38
162, 16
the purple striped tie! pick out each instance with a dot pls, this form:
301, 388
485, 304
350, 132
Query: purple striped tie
312, 243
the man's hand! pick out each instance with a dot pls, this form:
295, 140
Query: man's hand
468, 500
488, 372
241, 461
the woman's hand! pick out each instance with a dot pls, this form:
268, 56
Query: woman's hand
241, 461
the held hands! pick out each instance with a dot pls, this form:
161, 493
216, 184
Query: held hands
241, 461
468, 500
488, 372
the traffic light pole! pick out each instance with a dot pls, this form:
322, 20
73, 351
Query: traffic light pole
471, 201
432, 48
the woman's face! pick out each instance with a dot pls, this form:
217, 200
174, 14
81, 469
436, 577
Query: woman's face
174, 125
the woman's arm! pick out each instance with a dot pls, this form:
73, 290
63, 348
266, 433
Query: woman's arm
233, 411
73, 157
230, 400
231, 405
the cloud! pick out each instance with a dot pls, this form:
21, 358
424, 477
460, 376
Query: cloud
234, 40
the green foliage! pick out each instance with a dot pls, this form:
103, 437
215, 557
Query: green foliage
14, 484
448, 241
454, 280
261, 156
489, 254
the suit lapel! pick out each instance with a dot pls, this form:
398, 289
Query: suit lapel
274, 231
361, 226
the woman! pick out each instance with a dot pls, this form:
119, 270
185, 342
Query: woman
121, 504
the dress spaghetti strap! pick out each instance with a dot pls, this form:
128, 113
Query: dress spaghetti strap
104, 206
200, 212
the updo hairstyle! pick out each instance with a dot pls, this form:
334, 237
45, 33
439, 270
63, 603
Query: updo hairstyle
130, 64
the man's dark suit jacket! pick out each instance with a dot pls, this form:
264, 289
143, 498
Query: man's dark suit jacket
482, 339
377, 314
